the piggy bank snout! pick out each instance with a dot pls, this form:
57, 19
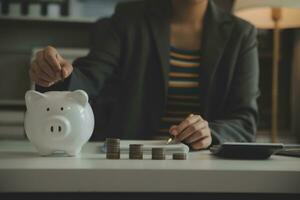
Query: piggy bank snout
57, 127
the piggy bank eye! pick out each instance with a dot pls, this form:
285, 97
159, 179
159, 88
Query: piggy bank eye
48, 109
62, 108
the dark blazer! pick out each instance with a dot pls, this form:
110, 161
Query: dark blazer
126, 73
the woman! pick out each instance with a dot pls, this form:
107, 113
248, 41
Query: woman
182, 67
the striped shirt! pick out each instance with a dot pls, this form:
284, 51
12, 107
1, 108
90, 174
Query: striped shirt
183, 88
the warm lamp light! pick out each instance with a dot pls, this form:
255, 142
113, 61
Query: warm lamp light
259, 12
271, 14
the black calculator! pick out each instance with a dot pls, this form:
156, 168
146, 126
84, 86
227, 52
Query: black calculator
237, 150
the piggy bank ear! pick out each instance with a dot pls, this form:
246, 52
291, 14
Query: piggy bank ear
80, 96
31, 97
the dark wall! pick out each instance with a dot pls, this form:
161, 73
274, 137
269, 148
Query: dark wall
17, 40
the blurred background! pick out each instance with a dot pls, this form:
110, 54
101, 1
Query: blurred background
28, 25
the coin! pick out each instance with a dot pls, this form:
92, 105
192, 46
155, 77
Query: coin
179, 156
136, 151
158, 154
112, 148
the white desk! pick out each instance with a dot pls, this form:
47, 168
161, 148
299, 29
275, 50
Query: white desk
22, 170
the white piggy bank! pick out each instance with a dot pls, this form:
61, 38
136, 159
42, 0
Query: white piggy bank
58, 121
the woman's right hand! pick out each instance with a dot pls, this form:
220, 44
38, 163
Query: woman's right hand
48, 67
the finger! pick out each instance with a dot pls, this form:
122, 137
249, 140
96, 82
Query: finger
41, 70
36, 74
40, 60
191, 115
37, 77
43, 83
194, 128
198, 135
172, 130
39, 81
45, 67
66, 69
41, 74
202, 144
51, 56
39, 55
187, 122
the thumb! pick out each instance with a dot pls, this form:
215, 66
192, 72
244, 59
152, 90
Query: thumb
66, 70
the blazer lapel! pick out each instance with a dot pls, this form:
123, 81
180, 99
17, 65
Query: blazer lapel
158, 19
217, 29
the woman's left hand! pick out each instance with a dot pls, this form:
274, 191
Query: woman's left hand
194, 131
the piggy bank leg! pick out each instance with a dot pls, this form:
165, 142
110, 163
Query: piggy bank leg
73, 152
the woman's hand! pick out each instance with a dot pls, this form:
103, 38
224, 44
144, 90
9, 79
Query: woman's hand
49, 67
194, 131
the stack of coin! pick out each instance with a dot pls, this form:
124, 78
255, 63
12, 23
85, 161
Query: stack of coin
136, 151
112, 148
158, 154
179, 156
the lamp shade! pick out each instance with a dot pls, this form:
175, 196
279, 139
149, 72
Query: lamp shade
259, 12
